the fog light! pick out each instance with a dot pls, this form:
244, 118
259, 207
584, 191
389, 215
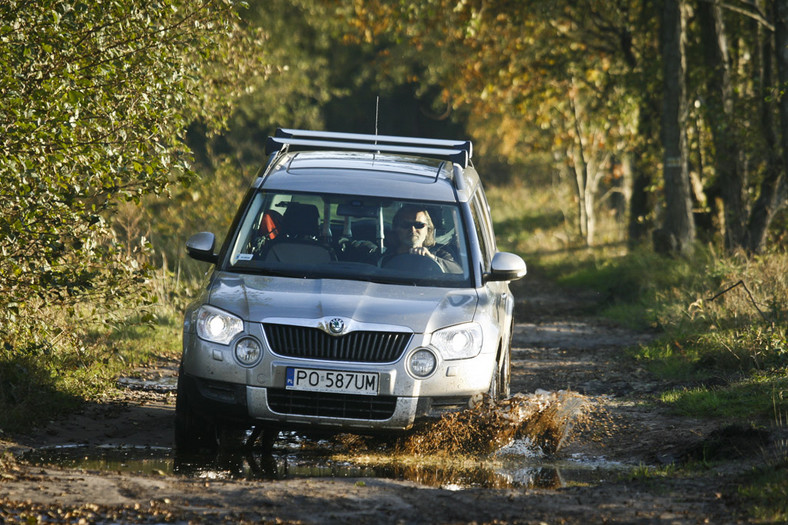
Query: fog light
422, 363
248, 351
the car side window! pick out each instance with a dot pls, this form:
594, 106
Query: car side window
478, 211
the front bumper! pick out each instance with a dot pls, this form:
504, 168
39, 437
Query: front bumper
221, 389
244, 405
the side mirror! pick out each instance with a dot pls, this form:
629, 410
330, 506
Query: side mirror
506, 266
200, 247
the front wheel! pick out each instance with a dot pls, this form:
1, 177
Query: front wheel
500, 382
192, 432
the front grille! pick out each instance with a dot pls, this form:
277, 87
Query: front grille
313, 343
320, 404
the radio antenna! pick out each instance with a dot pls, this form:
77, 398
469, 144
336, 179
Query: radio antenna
377, 106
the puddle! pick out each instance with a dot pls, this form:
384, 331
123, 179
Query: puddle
519, 464
156, 384
508, 470
138, 460
513, 443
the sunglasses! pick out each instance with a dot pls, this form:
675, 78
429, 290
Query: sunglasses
412, 224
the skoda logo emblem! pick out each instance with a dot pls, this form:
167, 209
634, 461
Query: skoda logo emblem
336, 326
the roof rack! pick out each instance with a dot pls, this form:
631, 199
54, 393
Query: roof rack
456, 151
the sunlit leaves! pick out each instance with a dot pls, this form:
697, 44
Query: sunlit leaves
526, 75
94, 101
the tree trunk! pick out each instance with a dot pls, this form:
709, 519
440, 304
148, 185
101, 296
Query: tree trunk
678, 228
774, 188
719, 114
585, 209
641, 199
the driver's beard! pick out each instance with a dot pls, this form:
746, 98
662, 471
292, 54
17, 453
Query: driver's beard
411, 241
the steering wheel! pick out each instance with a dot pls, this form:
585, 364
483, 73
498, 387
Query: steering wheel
414, 264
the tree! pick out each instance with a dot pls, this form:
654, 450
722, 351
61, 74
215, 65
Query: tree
773, 193
720, 113
678, 228
525, 76
94, 103
514, 71
737, 92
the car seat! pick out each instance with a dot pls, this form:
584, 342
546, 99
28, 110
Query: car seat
298, 242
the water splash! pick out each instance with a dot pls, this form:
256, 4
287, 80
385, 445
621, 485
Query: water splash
545, 420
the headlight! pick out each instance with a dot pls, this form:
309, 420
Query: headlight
248, 351
422, 363
217, 326
458, 342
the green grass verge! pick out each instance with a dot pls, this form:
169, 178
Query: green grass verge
764, 492
40, 382
728, 347
751, 399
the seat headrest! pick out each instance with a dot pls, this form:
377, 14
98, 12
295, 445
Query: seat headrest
301, 220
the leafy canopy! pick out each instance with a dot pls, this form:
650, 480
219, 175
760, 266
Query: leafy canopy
94, 101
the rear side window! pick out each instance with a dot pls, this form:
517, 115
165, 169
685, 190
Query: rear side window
481, 222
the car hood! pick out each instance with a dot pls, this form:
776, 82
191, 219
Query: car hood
274, 299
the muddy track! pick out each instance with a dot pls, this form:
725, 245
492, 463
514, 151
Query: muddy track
557, 345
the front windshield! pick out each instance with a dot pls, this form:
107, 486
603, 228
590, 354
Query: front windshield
352, 237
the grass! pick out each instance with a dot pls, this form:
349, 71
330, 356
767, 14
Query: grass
731, 351
747, 399
44, 381
765, 493
764, 490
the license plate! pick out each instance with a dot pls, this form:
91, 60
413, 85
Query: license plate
334, 381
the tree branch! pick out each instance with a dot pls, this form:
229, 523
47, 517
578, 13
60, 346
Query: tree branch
752, 299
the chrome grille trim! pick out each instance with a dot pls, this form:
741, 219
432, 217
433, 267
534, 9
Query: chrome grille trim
357, 347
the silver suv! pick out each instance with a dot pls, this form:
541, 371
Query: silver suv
359, 289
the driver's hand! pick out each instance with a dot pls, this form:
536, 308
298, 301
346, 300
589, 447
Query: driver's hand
421, 250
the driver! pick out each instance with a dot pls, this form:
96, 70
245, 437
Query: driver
414, 233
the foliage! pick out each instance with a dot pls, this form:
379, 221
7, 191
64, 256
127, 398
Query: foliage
94, 101
291, 91
582, 80
527, 77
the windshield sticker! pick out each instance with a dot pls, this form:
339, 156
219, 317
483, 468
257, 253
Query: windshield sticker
245, 256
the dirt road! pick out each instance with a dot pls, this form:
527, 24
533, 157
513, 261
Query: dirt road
557, 346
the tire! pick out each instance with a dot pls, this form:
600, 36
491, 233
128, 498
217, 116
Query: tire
263, 438
231, 437
504, 384
500, 382
193, 433
493, 391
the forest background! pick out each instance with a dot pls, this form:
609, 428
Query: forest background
637, 147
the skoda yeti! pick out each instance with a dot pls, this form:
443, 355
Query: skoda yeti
359, 289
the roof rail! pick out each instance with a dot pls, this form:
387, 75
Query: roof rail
456, 151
